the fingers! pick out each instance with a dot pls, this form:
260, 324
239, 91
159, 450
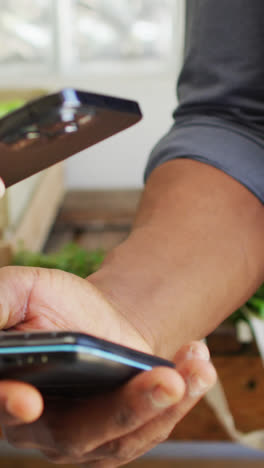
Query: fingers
114, 429
110, 416
113, 415
142, 399
199, 376
80, 428
193, 350
2, 188
19, 403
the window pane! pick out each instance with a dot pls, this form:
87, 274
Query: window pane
25, 31
114, 29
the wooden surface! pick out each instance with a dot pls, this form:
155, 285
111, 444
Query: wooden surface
144, 463
34, 227
6, 253
99, 207
196, 464
36, 223
242, 378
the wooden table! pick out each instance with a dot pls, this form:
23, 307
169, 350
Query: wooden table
36, 463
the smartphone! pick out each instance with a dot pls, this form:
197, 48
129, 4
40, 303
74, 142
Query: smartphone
68, 364
54, 127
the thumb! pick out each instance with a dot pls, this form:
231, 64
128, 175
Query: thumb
16, 284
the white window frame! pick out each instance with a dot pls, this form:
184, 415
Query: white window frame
63, 64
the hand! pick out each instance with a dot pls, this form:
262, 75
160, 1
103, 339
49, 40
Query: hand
2, 188
107, 431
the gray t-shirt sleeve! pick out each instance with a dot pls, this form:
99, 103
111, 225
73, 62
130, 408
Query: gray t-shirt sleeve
220, 117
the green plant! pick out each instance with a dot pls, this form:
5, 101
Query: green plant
71, 258
255, 306
80, 262
8, 106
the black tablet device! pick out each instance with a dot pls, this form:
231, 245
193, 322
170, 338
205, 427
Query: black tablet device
54, 127
70, 364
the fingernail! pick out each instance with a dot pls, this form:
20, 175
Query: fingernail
196, 386
162, 399
201, 353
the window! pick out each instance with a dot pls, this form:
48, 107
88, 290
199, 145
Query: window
26, 31
123, 29
68, 35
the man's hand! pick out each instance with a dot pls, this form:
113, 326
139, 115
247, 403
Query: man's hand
2, 188
107, 431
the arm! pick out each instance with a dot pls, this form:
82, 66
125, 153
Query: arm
195, 253
194, 256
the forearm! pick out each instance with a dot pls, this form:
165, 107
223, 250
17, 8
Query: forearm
194, 255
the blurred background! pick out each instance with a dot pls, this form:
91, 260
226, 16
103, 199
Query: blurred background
130, 49
126, 48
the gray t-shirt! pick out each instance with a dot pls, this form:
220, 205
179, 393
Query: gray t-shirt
220, 117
